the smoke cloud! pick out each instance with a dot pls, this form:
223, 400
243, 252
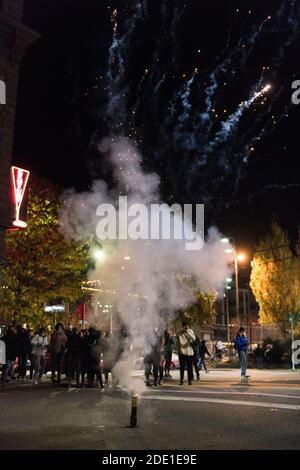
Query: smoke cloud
145, 280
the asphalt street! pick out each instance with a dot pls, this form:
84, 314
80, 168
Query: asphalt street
218, 412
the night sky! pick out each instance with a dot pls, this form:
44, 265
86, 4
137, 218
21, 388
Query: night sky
171, 75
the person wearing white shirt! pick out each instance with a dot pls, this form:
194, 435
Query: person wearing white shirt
185, 338
39, 348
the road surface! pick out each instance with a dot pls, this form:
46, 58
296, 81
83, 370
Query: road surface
218, 412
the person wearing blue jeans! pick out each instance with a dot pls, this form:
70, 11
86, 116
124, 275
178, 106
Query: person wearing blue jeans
242, 342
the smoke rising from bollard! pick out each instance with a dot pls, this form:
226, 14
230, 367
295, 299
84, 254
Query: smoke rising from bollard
146, 280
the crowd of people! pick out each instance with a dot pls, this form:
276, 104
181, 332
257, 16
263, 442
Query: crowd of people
78, 354
263, 356
191, 352
84, 356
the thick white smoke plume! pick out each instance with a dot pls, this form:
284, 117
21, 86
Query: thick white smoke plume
145, 280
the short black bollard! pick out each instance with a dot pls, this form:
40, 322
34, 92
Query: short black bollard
133, 417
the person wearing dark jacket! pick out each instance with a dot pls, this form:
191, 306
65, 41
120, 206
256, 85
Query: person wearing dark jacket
259, 357
153, 359
242, 342
24, 346
58, 345
111, 355
196, 347
169, 345
202, 352
84, 355
11, 352
118, 353
268, 355
73, 356
94, 352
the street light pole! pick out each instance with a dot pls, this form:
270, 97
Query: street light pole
237, 298
293, 356
237, 257
228, 325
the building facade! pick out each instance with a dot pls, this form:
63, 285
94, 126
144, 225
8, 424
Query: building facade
15, 37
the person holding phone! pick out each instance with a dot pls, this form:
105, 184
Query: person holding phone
242, 343
185, 338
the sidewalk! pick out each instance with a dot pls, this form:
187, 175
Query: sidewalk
261, 376
215, 376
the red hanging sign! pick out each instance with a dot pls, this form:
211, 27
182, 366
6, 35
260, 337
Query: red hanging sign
20, 179
83, 312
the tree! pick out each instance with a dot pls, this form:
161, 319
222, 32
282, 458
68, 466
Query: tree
201, 311
275, 278
41, 264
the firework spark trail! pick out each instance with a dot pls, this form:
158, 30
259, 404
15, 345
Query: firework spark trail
118, 56
177, 17
240, 53
264, 125
225, 134
275, 64
172, 32
151, 82
293, 29
270, 187
267, 128
230, 125
246, 142
159, 84
155, 77
183, 137
210, 146
189, 140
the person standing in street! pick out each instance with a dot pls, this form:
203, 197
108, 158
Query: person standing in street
58, 345
11, 351
111, 355
268, 356
259, 357
219, 350
242, 343
38, 353
202, 352
196, 348
24, 346
153, 359
73, 357
94, 354
168, 345
185, 338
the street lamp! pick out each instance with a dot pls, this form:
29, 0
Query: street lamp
237, 257
99, 254
228, 287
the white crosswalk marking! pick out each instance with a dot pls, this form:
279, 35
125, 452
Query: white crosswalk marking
285, 406
233, 392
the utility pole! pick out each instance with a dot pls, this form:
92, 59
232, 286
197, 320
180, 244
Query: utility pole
237, 299
293, 357
228, 325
